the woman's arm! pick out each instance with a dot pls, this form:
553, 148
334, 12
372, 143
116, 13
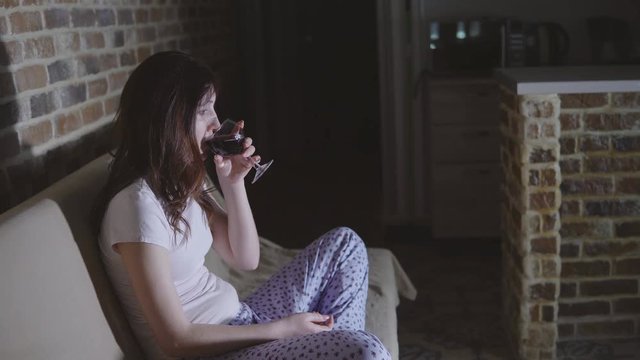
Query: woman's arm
148, 267
234, 233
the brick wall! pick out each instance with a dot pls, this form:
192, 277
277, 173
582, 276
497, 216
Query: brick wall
530, 222
570, 218
63, 64
600, 161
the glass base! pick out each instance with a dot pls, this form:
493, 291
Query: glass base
261, 169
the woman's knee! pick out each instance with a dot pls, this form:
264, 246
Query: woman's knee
348, 237
361, 345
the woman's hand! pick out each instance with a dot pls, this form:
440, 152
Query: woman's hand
302, 324
232, 169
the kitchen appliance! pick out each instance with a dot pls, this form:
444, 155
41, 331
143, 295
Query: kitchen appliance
476, 46
465, 46
534, 44
610, 40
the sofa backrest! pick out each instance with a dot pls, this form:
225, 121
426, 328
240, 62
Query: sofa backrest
74, 194
48, 306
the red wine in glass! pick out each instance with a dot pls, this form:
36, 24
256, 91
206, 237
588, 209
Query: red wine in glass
228, 140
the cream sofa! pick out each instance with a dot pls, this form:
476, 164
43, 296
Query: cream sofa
56, 301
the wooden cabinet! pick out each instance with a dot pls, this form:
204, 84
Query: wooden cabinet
465, 157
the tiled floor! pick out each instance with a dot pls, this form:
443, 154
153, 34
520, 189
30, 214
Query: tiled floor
457, 312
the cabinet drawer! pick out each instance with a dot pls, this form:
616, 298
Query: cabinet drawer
471, 103
466, 201
465, 143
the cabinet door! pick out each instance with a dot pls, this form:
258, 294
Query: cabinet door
466, 200
456, 103
465, 143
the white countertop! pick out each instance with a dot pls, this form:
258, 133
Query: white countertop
570, 79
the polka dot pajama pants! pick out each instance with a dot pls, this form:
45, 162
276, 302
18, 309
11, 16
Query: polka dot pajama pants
329, 276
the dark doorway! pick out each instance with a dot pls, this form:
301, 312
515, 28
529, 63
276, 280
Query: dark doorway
311, 103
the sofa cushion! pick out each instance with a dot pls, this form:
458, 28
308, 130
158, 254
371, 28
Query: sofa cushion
48, 305
74, 194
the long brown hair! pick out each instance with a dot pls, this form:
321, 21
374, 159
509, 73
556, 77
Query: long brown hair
155, 134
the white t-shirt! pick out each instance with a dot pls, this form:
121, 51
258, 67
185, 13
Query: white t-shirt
135, 215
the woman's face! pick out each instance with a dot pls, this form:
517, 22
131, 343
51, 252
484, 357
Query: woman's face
206, 119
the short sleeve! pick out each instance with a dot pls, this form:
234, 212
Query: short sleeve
135, 215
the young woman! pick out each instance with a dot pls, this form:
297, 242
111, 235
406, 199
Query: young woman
157, 222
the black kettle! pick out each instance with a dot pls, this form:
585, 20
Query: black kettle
546, 44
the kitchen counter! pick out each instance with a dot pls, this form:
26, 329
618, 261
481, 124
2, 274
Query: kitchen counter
570, 80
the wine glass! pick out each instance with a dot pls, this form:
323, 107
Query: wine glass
229, 140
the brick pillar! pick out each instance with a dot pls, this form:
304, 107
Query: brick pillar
530, 154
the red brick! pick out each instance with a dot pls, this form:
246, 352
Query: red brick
584, 308
607, 164
566, 330
39, 48
626, 143
572, 101
545, 245
612, 121
111, 105
628, 186
568, 251
627, 306
589, 186
608, 287
67, 43
36, 134
571, 166
108, 62
575, 269
92, 112
141, 16
4, 28
94, 40
609, 248
14, 54
591, 229
628, 229
97, 87
570, 208
569, 121
56, 18
567, 145
543, 200
612, 208
156, 15
25, 22
146, 34
626, 100
545, 291
31, 77
606, 328
568, 290
117, 80
83, 17
548, 313
594, 143
549, 222
627, 267
540, 155
67, 123
9, 3
143, 52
